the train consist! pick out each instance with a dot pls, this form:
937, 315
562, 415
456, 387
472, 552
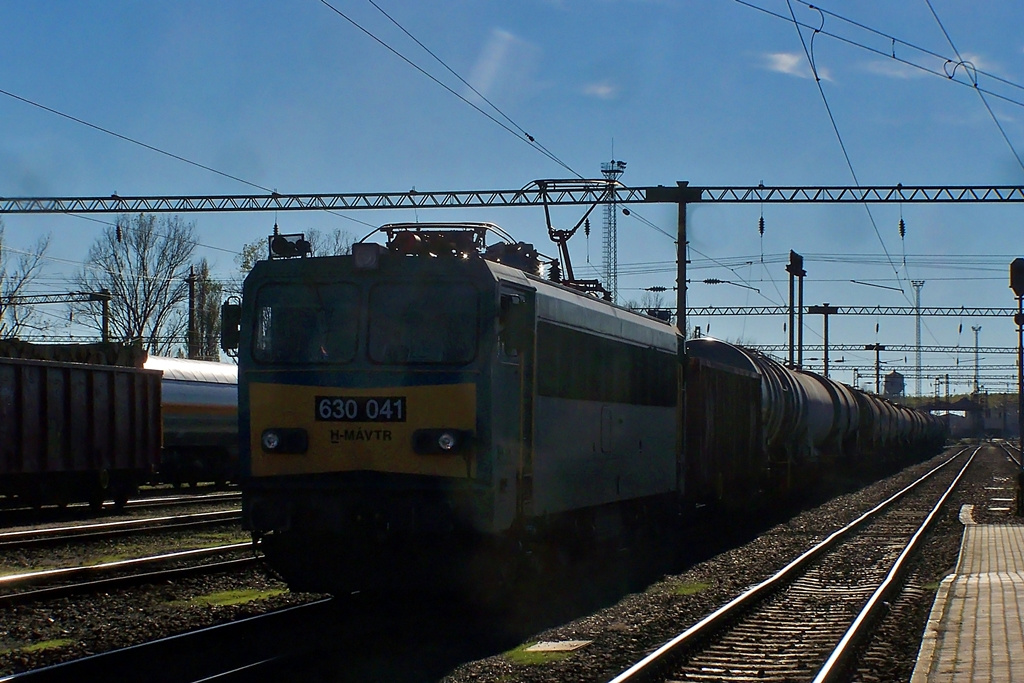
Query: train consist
73, 432
199, 412
433, 410
86, 423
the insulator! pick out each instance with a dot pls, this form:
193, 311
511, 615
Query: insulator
760, 225
903, 229
586, 227
117, 231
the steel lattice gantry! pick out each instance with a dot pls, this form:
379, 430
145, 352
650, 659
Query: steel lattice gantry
960, 312
551, 192
537, 193
895, 348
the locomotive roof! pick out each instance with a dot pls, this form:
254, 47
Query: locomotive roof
572, 308
185, 369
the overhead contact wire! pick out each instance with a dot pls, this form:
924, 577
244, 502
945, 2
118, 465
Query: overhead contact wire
445, 86
479, 94
842, 145
868, 48
969, 69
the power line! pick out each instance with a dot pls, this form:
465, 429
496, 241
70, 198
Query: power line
972, 74
524, 137
842, 145
887, 55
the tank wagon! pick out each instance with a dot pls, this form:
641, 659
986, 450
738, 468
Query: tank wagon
199, 413
76, 432
756, 429
434, 408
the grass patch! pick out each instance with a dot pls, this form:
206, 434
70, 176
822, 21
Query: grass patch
235, 597
524, 658
689, 588
42, 645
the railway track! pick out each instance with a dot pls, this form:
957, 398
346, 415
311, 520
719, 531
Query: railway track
37, 585
237, 650
96, 530
811, 615
23, 516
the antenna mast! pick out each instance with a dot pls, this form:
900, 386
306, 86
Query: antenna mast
917, 284
611, 171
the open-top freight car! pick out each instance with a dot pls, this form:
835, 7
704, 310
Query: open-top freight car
433, 411
76, 431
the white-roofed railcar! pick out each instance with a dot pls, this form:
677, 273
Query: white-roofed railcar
199, 409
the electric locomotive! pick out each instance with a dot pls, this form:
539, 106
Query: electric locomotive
416, 408
433, 413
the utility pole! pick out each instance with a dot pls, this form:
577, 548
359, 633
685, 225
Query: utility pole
878, 348
825, 310
193, 347
917, 285
795, 268
1017, 285
977, 383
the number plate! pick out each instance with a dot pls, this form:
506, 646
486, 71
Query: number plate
360, 408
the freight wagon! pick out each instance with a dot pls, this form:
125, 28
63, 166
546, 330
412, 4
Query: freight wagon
72, 432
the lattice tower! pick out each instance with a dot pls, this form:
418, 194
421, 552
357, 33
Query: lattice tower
917, 284
611, 171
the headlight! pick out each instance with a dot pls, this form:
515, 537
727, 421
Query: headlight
441, 441
271, 440
447, 441
284, 440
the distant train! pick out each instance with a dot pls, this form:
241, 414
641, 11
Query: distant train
85, 423
199, 412
425, 412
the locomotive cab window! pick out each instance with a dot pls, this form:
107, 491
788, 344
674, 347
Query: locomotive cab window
423, 323
306, 323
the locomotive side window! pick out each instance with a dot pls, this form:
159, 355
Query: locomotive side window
583, 367
314, 323
423, 323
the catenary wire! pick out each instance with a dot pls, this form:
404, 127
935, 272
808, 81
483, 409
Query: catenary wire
451, 90
452, 71
835, 127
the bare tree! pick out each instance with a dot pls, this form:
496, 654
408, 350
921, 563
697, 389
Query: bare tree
335, 243
14, 280
144, 262
208, 293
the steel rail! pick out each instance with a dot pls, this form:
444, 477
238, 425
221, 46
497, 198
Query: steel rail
107, 529
46, 575
53, 592
646, 668
195, 655
833, 667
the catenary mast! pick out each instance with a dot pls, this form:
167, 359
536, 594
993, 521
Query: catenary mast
611, 171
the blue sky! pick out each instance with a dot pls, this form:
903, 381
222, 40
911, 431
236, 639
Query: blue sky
290, 95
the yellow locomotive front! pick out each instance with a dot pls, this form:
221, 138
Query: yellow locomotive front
363, 384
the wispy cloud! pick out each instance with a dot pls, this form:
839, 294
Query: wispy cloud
793, 64
602, 90
506, 63
893, 69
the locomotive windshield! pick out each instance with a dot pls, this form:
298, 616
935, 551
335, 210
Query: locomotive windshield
415, 323
306, 323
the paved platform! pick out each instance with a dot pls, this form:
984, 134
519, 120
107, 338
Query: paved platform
976, 628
